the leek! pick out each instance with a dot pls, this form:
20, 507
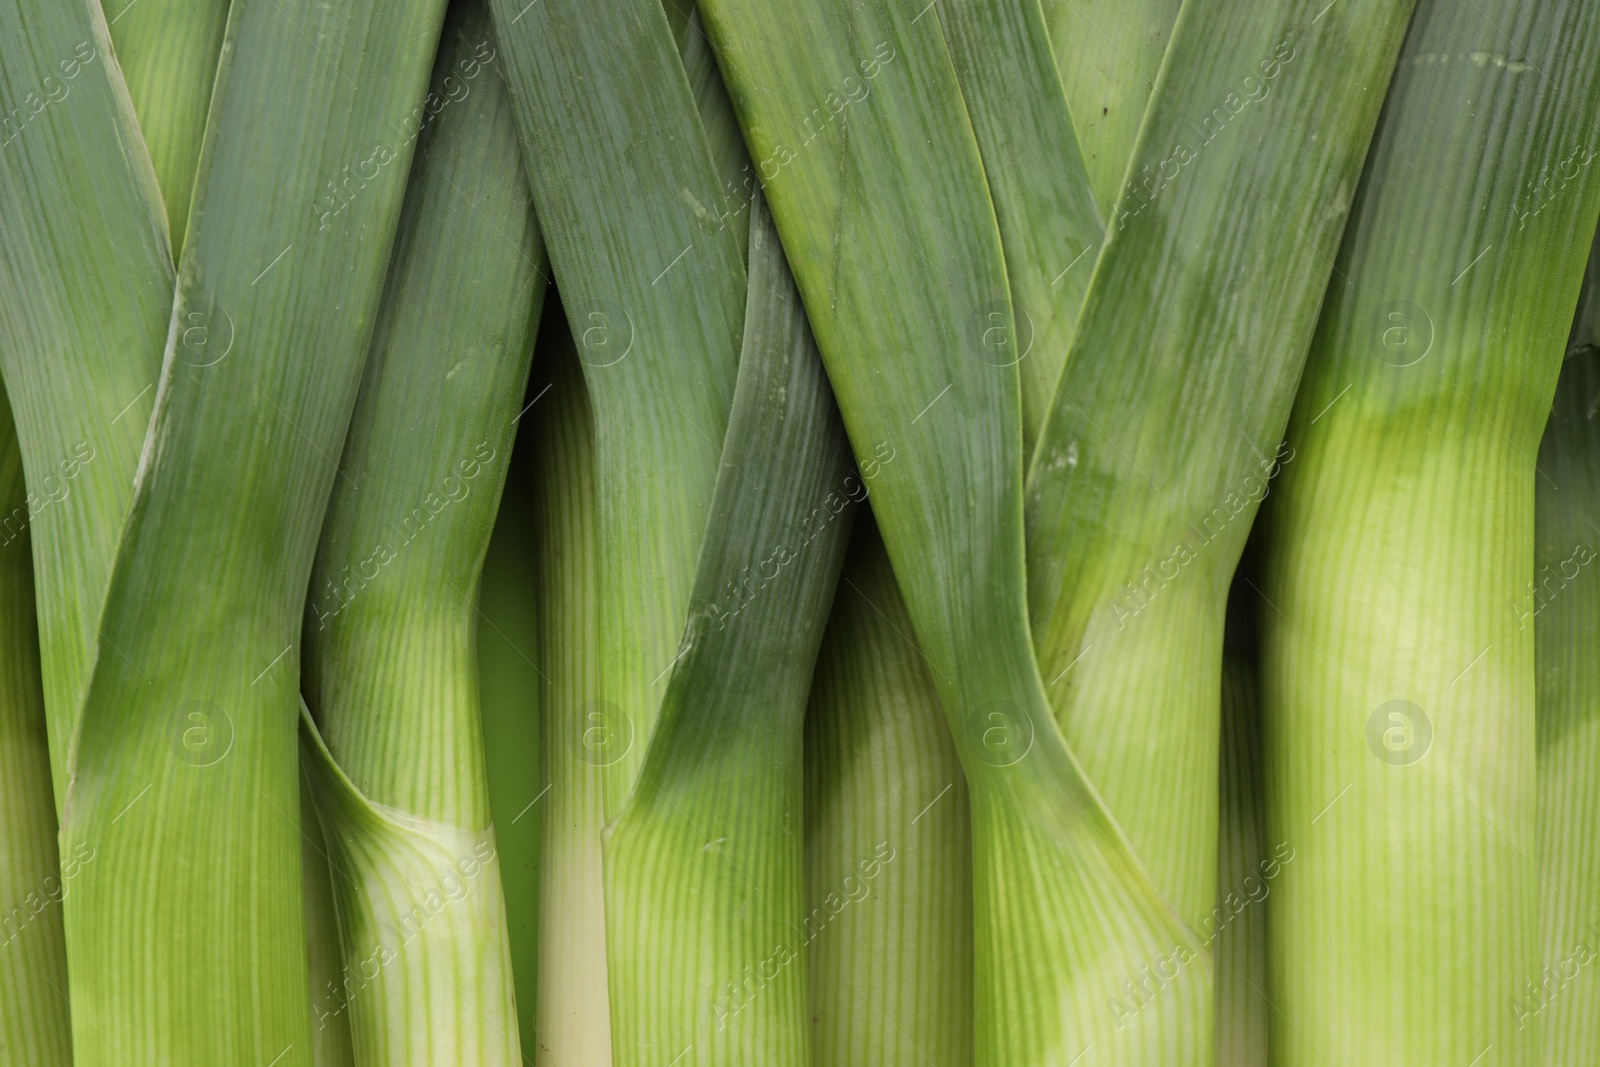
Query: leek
887, 927
182, 731
650, 264
398, 768
1562, 1000
1398, 690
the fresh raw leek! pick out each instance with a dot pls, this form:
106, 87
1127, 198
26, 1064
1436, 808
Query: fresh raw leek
179, 771
1398, 680
1562, 606
887, 927
1166, 425
390, 673
404, 675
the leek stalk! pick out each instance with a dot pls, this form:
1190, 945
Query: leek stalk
1398, 688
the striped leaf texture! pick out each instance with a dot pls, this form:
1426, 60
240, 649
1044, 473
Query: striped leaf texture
390, 675
704, 875
887, 928
183, 773
629, 180
168, 51
1398, 685
1562, 604
1165, 427
35, 1014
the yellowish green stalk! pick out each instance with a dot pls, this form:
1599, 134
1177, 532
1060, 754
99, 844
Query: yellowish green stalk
573, 1018
184, 773
1398, 674
391, 620
1165, 429
35, 1018
644, 243
1562, 606
512, 691
704, 868
887, 930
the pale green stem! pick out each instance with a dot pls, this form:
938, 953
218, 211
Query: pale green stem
392, 617
512, 693
1563, 607
888, 921
1398, 671
574, 1017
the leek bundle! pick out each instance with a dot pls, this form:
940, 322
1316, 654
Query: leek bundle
975, 532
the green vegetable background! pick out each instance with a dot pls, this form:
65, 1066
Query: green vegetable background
799, 533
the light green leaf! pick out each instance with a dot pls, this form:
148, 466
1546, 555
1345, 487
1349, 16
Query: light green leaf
168, 53
704, 875
185, 774
1046, 211
85, 307
390, 673
1109, 53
